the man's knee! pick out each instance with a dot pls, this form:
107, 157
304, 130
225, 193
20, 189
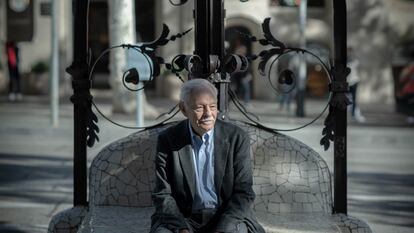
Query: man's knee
161, 229
241, 228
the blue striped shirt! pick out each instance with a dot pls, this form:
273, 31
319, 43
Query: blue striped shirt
205, 196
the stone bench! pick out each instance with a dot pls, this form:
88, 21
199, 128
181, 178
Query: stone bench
291, 181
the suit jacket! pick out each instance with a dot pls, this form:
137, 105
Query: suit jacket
175, 178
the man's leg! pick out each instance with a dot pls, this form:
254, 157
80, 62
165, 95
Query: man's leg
161, 229
352, 90
241, 228
192, 226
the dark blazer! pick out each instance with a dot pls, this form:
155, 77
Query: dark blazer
175, 178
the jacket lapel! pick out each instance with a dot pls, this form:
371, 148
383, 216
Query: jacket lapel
186, 158
221, 147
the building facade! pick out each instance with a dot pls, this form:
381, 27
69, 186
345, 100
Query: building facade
374, 26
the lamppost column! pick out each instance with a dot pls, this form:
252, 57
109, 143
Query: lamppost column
340, 111
209, 45
81, 90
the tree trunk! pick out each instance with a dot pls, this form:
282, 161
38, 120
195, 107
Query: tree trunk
121, 31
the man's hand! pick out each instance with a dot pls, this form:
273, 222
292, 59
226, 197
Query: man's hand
184, 231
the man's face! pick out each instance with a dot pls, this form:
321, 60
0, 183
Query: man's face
201, 112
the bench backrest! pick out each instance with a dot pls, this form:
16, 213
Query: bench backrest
289, 177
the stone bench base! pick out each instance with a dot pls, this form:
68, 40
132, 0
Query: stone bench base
67, 221
113, 219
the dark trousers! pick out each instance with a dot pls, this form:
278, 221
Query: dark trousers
241, 228
14, 84
353, 91
203, 222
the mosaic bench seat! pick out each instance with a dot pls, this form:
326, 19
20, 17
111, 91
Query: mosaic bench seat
291, 181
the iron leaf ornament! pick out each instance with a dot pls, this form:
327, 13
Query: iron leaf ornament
149, 48
339, 88
278, 47
92, 128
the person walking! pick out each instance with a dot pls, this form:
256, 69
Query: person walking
244, 77
353, 80
12, 52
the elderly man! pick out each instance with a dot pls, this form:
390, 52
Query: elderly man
203, 170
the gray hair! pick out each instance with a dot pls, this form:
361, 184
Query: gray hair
196, 86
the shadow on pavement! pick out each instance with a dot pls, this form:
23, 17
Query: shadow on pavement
6, 228
15, 168
390, 197
35, 179
32, 157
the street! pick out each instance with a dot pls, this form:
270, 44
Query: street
380, 175
36, 167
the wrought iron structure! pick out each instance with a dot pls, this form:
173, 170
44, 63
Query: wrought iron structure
79, 71
338, 106
209, 61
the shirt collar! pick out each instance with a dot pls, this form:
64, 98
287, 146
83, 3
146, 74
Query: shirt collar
194, 136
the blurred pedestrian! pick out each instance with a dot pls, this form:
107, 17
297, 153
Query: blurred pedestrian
353, 80
405, 94
243, 78
286, 80
12, 52
286, 97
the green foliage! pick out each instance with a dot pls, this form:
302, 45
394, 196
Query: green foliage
40, 67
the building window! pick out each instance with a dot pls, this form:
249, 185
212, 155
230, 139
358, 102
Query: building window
145, 20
